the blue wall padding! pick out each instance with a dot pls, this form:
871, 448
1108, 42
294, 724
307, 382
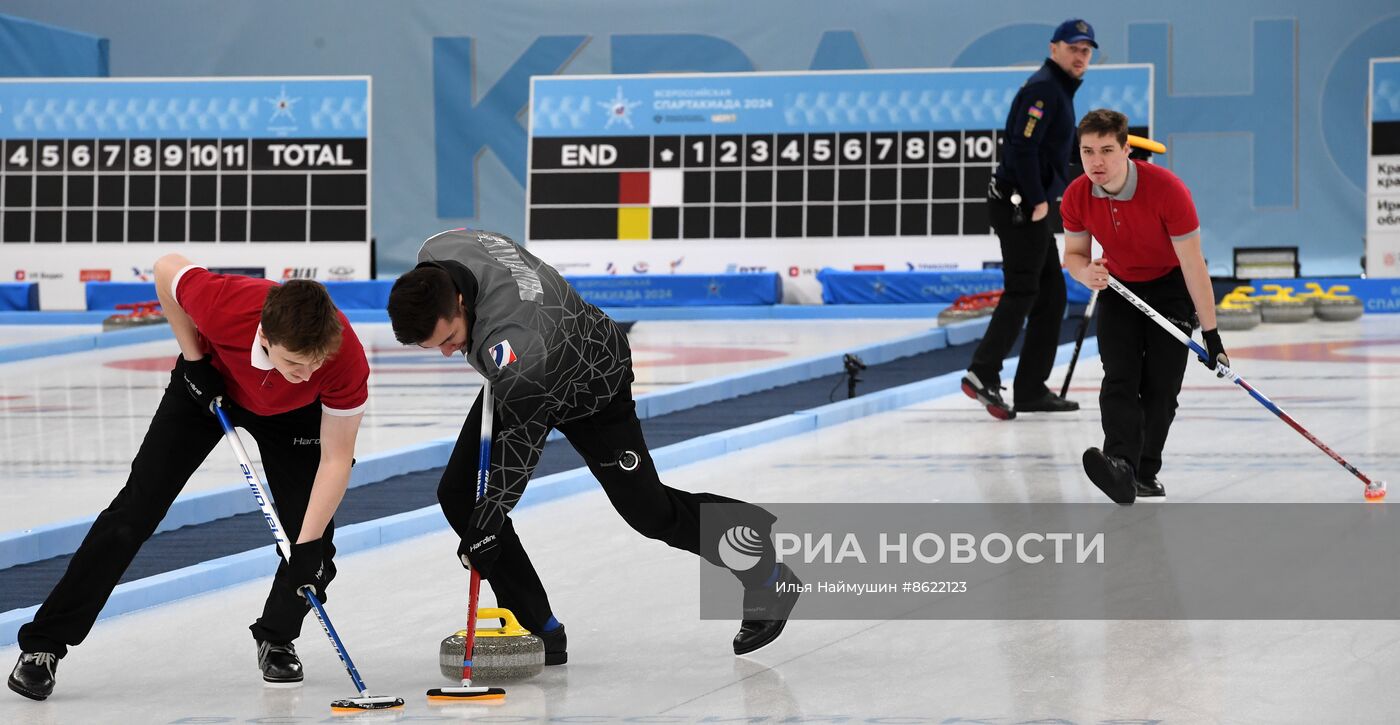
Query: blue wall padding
840, 287
21, 296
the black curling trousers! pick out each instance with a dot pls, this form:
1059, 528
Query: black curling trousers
1033, 296
180, 437
652, 508
1143, 367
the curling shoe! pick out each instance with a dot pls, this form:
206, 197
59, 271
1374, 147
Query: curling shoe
989, 396
34, 674
556, 645
1047, 403
1151, 488
1112, 475
766, 610
279, 662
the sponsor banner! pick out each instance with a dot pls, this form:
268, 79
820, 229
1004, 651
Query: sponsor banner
1379, 295
797, 261
901, 287
679, 290
62, 270
994, 561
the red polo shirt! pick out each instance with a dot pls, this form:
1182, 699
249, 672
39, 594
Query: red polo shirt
1136, 226
227, 310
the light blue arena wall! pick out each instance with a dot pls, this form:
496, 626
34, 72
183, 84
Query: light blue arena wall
1261, 103
30, 49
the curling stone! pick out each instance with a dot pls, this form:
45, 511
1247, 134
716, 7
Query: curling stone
1334, 306
1314, 294
962, 309
1237, 311
134, 314
502, 653
969, 307
118, 322
1282, 305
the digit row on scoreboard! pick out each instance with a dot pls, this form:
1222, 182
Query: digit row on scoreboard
98, 155
761, 185
811, 149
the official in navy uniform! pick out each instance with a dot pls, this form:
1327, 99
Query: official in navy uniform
1034, 171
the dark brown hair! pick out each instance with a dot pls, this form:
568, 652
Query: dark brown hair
1103, 122
418, 300
299, 315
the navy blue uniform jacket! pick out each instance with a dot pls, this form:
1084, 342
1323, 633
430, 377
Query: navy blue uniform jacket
1039, 136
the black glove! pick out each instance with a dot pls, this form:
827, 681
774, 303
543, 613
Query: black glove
479, 550
309, 569
202, 381
1215, 351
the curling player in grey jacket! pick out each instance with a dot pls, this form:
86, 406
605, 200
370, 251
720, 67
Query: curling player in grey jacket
556, 361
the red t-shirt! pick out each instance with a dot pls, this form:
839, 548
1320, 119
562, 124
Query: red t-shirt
1136, 226
227, 310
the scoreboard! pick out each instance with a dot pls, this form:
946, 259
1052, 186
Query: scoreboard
785, 172
99, 177
1383, 170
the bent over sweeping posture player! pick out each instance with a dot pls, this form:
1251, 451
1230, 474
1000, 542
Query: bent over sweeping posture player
1144, 218
291, 372
555, 361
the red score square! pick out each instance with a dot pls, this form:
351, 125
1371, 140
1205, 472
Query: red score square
634, 187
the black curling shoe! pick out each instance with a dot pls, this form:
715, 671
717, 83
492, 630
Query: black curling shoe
33, 676
1151, 488
766, 611
1047, 403
556, 646
1111, 474
279, 662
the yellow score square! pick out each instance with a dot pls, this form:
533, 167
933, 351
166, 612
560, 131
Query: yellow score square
634, 222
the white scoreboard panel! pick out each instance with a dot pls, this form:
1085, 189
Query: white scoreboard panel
1383, 170
98, 178
785, 172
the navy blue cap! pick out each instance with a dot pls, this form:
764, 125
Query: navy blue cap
1073, 31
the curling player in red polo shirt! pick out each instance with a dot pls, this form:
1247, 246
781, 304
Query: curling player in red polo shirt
1143, 217
291, 372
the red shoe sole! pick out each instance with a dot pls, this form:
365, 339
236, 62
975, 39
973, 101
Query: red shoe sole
996, 412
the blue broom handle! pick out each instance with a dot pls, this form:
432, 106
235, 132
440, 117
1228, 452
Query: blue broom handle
278, 533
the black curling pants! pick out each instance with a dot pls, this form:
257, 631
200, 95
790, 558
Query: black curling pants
1143, 367
1033, 296
652, 508
179, 439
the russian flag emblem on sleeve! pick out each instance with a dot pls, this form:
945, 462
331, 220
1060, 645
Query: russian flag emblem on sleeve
502, 355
